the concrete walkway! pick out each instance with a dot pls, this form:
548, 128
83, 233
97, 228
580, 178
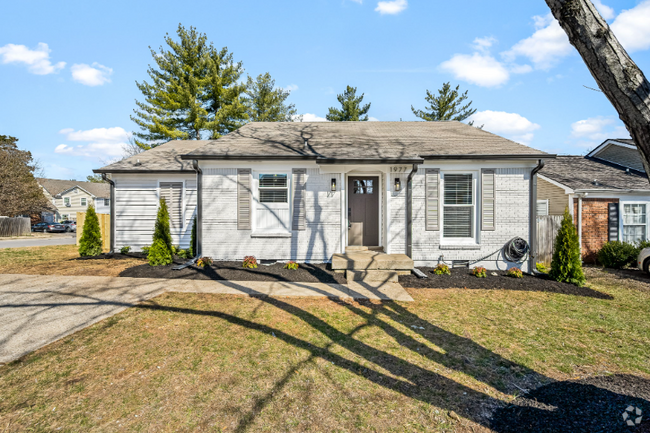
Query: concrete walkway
37, 310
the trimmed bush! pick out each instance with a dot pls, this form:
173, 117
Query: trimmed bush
441, 269
162, 231
250, 262
617, 255
145, 250
479, 272
90, 243
159, 254
567, 263
183, 254
515, 273
193, 248
125, 250
541, 267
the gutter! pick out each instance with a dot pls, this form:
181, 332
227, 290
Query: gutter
409, 210
532, 226
105, 178
317, 158
489, 157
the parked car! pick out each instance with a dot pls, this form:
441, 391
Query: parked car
70, 225
644, 260
49, 227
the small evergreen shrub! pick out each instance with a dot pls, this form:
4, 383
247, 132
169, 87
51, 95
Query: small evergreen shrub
541, 267
250, 262
183, 254
90, 244
175, 250
567, 263
162, 231
204, 261
441, 269
479, 272
192, 249
515, 273
291, 265
125, 250
145, 250
617, 254
159, 254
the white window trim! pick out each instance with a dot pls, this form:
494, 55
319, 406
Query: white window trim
621, 218
67, 201
262, 232
474, 239
81, 201
546, 204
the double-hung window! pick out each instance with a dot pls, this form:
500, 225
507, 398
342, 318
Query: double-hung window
272, 213
66, 201
458, 206
83, 201
635, 222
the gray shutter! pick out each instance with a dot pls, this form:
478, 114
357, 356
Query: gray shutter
612, 221
172, 192
488, 196
432, 199
299, 182
244, 199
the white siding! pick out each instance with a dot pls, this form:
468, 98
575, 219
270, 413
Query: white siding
136, 206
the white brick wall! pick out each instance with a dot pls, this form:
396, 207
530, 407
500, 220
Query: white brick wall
222, 240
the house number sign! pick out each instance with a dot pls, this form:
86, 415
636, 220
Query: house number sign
399, 169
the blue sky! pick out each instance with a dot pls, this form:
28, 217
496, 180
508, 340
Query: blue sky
68, 69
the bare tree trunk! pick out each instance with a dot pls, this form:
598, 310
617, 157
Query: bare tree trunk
616, 74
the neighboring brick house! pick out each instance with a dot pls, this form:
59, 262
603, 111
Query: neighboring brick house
67, 197
434, 191
607, 192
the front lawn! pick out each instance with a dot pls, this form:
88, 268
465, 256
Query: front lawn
451, 361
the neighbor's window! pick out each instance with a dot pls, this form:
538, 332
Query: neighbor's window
635, 223
83, 201
66, 201
273, 188
107, 202
458, 208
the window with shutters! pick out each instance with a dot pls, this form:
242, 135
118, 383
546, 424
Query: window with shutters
635, 222
458, 209
172, 192
272, 212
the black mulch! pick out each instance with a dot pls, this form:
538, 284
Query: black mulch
593, 405
114, 256
233, 271
463, 279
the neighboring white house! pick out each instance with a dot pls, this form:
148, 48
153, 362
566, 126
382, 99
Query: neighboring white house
67, 197
436, 191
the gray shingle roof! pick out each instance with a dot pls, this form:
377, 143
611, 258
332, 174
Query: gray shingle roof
165, 157
353, 140
578, 173
57, 186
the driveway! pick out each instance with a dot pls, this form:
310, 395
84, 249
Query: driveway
53, 239
37, 310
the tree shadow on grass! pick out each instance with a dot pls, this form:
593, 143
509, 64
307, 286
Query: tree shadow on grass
392, 372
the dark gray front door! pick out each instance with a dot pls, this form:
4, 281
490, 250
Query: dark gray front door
363, 212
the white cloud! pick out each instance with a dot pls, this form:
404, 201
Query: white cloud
95, 75
597, 129
101, 142
483, 44
605, 11
291, 87
511, 125
391, 7
358, 1
480, 69
632, 29
37, 61
308, 117
373, 119
545, 47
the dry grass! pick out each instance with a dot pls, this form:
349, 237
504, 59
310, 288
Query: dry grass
185, 362
59, 260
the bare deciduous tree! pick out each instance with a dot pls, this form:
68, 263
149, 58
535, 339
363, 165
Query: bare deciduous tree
617, 75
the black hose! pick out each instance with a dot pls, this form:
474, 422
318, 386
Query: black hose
515, 250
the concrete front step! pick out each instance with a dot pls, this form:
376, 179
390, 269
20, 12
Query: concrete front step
371, 260
353, 248
372, 277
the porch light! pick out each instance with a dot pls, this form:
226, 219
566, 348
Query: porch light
333, 184
398, 184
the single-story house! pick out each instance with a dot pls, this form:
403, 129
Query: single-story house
607, 192
67, 197
435, 191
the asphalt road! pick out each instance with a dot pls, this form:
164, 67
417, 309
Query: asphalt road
56, 239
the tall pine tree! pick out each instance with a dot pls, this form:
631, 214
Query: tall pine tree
267, 103
351, 108
448, 105
194, 92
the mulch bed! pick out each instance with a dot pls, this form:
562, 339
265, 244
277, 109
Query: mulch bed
592, 405
461, 278
233, 271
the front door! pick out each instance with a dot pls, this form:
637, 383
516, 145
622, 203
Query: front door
363, 211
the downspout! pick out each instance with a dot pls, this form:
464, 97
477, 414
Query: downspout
105, 178
580, 196
199, 208
532, 226
409, 211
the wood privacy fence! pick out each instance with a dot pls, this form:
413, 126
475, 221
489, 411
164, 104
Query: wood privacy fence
15, 227
104, 225
547, 228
